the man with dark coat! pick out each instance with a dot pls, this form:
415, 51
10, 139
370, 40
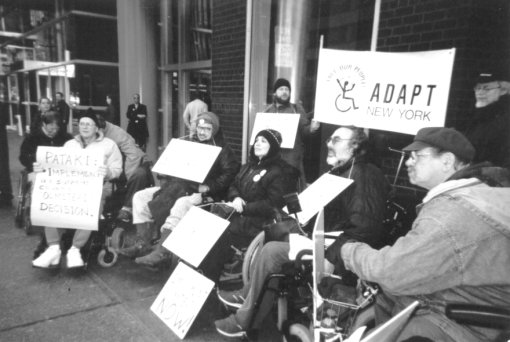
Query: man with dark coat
137, 126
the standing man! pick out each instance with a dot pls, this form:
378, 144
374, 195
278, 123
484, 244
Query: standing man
490, 127
63, 108
137, 127
44, 106
281, 104
458, 249
192, 110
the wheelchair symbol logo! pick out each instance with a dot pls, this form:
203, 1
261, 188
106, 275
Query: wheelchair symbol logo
344, 102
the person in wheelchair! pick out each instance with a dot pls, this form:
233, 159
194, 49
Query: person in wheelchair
137, 171
151, 206
359, 209
91, 138
458, 249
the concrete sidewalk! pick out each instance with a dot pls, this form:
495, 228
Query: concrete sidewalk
98, 304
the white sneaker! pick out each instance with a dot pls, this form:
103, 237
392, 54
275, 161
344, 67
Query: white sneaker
50, 257
74, 258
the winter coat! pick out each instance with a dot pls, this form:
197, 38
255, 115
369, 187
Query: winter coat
137, 126
458, 251
29, 146
112, 156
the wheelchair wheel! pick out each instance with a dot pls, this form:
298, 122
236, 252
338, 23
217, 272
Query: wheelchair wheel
117, 238
251, 255
299, 333
107, 258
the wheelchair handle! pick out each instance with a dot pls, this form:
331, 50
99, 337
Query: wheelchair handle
300, 255
479, 315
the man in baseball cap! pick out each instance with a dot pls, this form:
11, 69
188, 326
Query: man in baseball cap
458, 249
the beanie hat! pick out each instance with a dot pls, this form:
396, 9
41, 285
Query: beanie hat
210, 118
274, 138
91, 115
281, 82
447, 139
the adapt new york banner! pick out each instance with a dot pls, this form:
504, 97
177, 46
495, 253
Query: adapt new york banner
398, 92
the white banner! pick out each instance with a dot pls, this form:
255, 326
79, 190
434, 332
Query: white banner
285, 124
68, 193
198, 228
187, 160
181, 299
398, 92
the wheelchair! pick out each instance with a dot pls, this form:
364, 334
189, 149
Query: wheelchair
22, 216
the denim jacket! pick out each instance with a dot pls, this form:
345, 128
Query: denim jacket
458, 251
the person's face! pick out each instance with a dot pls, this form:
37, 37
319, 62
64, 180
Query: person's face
283, 94
424, 168
136, 99
487, 93
44, 105
261, 147
340, 149
204, 131
87, 128
50, 129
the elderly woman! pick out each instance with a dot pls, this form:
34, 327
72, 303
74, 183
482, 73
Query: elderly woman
92, 139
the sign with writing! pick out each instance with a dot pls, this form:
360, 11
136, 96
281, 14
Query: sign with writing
285, 124
319, 194
398, 92
68, 193
187, 160
198, 228
181, 299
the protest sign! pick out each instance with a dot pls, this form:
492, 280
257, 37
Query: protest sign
398, 92
320, 193
187, 160
68, 193
181, 299
198, 228
286, 124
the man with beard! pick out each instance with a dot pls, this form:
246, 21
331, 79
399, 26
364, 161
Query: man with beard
457, 251
489, 131
359, 210
281, 104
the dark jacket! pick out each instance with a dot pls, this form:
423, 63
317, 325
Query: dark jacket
489, 133
262, 186
63, 108
29, 146
137, 126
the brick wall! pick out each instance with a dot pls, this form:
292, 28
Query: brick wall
228, 53
478, 29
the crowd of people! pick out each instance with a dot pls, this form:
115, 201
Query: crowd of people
457, 250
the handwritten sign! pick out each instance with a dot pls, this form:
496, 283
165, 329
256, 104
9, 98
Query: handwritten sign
198, 228
398, 92
320, 193
187, 159
286, 124
181, 299
68, 193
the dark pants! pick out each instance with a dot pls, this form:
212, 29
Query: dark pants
142, 178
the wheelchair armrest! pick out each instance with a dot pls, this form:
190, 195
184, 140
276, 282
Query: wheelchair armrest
479, 315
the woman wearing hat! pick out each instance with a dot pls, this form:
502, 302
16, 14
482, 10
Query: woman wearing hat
92, 139
257, 190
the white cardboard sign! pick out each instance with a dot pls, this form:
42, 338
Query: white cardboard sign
285, 124
68, 193
187, 160
319, 194
182, 298
398, 92
198, 228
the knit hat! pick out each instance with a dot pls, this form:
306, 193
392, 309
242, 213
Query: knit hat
490, 76
281, 82
274, 138
91, 115
210, 118
447, 139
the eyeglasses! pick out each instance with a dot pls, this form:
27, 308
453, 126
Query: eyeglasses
335, 140
204, 129
86, 124
484, 88
414, 157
